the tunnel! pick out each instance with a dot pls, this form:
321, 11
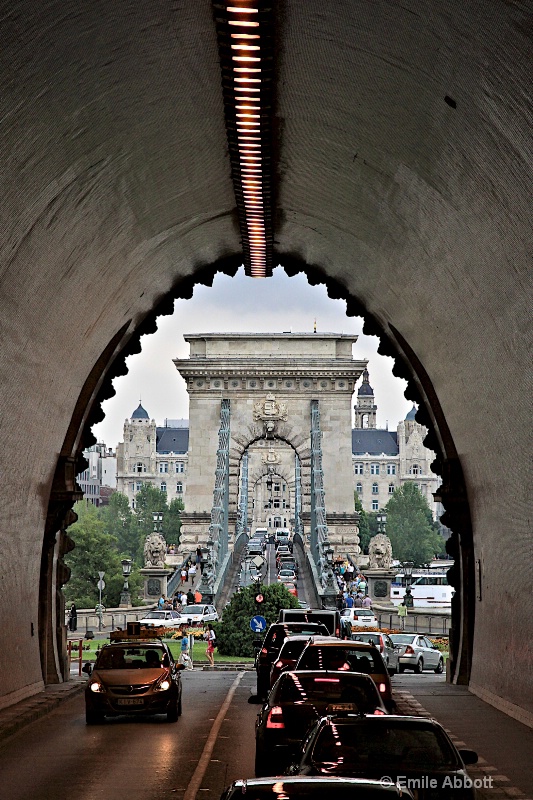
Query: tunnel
400, 174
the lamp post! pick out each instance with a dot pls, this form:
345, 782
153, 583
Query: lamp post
382, 521
158, 521
125, 597
408, 572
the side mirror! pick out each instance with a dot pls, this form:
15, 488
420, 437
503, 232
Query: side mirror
468, 756
180, 666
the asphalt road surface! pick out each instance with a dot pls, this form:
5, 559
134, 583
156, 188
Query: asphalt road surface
211, 745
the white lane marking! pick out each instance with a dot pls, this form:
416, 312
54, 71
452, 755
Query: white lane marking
205, 758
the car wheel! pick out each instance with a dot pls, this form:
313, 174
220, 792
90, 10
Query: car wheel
401, 668
419, 668
173, 711
93, 717
440, 666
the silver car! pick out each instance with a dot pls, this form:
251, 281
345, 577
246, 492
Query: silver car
417, 652
384, 644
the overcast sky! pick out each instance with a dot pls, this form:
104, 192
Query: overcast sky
244, 305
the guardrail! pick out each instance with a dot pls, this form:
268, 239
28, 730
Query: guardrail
416, 622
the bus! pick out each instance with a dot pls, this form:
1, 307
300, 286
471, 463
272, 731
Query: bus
429, 589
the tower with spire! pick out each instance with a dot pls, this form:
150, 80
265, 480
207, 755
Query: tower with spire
365, 408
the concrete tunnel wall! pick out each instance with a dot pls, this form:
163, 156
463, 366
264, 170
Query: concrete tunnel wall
116, 184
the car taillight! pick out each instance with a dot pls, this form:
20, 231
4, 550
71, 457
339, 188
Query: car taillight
275, 718
382, 688
264, 651
278, 664
409, 650
379, 712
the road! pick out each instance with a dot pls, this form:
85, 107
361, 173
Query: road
138, 759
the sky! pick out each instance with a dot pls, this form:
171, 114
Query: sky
241, 305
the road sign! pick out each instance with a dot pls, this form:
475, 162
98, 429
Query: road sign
259, 598
258, 561
258, 624
101, 585
101, 575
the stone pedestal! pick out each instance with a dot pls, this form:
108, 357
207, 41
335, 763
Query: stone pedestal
379, 583
155, 582
343, 534
194, 531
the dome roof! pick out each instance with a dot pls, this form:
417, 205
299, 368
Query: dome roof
411, 414
365, 388
140, 413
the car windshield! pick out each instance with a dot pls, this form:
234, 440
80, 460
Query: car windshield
341, 658
394, 745
192, 610
353, 689
127, 657
400, 638
155, 615
278, 633
363, 612
367, 637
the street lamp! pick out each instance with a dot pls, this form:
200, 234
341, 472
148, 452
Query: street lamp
382, 521
408, 572
158, 521
125, 597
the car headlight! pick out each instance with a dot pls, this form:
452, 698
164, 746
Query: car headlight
162, 685
97, 687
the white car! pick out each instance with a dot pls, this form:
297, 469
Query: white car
161, 619
360, 617
287, 576
197, 615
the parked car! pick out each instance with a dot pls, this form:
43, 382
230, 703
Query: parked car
402, 748
272, 643
161, 619
389, 651
134, 676
198, 615
298, 699
314, 788
360, 617
346, 655
417, 652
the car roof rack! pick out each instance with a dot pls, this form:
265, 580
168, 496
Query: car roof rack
134, 630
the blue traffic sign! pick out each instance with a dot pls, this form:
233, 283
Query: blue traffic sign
258, 624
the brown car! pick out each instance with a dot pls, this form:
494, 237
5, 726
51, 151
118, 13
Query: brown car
349, 656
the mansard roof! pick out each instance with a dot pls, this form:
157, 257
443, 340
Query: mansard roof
172, 440
374, 442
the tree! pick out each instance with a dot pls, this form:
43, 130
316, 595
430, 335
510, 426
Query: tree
364, 529
234, 635
95, 551
172, 521
147, 500
410, 526
118, 520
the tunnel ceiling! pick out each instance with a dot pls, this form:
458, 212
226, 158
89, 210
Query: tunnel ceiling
401, 169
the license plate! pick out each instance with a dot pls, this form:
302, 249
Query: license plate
342, 707
130, 701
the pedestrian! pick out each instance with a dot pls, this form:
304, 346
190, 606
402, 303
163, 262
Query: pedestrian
185, 655
192, 573
183, 575
362, 585
73, 618
197, 596
183, 598
367, 602
211, 644
349, 601
190, 597
161, 601
402, 613
198, 555
358, 601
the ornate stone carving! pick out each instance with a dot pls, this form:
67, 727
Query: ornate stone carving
380, 552
270, 409
155, 549
271, 457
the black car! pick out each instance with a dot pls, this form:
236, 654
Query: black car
296, 701
296, 788
413, 751
272, 643
134, 676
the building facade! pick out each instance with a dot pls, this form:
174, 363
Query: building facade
99, 479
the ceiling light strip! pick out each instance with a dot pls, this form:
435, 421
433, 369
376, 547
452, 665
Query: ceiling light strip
245, 33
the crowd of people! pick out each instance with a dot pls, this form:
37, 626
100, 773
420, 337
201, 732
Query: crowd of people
181, 599
353, 586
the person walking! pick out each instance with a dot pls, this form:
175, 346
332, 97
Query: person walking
367, 602
73, 618
185, 656
197, 596
183, 575
358, 601
211, 644
402, 613
192, 573
190, 597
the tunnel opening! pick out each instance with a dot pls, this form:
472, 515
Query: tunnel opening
99, 387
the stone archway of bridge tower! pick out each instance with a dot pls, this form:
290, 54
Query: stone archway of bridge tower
278, 472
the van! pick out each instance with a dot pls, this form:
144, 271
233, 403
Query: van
260, 533
330, 618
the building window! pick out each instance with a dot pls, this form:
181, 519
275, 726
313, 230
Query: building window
374, 469
139, 467
415, 470
138, 486
375, 488
359, 488
163, 486
375, 505
163, 466
276, 487
391, 469
179, 487
180, 467
391, 488
276, 502
358, 468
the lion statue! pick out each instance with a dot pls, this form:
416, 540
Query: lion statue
380, 552
155, 549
